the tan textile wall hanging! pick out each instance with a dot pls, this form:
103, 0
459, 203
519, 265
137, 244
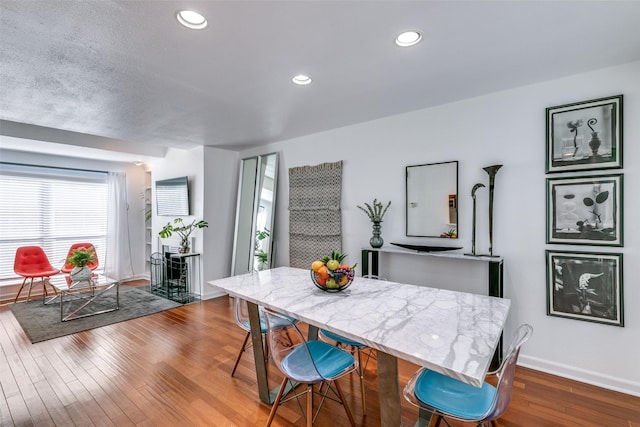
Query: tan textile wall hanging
315, 218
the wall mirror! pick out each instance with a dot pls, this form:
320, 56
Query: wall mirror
432, 200
255, 211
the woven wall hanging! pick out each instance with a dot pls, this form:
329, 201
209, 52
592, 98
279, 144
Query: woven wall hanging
315, 217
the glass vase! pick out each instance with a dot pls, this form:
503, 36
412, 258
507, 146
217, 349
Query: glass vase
376, 240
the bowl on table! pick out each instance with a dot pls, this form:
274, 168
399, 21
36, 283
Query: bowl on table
332, 281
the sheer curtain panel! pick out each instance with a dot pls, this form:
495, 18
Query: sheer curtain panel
118, 257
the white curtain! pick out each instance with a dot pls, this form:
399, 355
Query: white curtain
118, 257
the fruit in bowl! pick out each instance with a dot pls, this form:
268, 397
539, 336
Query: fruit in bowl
330, 273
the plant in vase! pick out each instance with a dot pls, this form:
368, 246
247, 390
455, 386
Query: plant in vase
183, 230
375, 212
261, 256
79, 258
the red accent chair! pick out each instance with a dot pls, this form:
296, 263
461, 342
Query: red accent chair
67, 267
31, 262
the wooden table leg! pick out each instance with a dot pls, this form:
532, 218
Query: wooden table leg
389, 389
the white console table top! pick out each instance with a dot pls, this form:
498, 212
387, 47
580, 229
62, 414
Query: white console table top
455, 254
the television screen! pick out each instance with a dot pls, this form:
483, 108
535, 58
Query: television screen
172, 196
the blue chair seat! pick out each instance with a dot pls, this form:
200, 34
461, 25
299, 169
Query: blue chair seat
329, 362
263, 323
339, 338
454, 397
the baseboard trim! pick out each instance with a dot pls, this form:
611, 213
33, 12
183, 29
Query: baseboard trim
213, 294
582, 375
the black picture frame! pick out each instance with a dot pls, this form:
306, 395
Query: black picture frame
585, 210
585, 286
584, 135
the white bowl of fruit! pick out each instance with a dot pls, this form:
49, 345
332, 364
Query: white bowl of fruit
330, 273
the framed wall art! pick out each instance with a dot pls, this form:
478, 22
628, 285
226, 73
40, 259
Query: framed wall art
585, 286
585, 135
585, 210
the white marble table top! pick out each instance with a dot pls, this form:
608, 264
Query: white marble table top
450, 332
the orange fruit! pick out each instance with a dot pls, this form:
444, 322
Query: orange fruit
321, 280
323, 273
315, 265
344, 280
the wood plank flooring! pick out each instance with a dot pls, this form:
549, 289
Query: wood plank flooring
172, 368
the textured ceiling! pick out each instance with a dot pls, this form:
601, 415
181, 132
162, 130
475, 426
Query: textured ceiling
127, 71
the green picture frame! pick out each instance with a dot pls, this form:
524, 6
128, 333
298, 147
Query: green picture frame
585, 286
585, 210
584, 135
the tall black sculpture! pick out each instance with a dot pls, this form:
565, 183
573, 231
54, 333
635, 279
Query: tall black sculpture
492, 171
473, 235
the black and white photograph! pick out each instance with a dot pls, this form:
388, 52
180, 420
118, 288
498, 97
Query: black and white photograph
585, 286
585, 135
585, 210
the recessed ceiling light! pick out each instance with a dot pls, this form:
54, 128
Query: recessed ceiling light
408, 38
301, 79
191, 19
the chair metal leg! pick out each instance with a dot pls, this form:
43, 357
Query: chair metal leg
242, 349
274, 408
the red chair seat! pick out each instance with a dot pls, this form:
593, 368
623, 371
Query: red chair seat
31, 262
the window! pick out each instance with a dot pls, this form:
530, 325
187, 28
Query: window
51, 208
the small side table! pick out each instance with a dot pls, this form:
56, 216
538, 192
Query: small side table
87, 291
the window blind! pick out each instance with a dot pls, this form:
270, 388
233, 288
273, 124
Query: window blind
51, 208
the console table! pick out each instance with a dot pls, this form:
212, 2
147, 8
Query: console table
495, 282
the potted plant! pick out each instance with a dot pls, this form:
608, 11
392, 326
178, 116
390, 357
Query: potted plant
183, 230
375, 212
79, 258
261, 256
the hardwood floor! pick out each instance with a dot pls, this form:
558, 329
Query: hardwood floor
172, 368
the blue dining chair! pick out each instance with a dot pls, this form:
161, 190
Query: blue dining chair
444, 396
241, 313
361, 351
306, 362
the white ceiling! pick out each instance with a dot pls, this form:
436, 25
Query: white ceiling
127, 72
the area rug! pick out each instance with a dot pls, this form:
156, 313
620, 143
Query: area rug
42, 322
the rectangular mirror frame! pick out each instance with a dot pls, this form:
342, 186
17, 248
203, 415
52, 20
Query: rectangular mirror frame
436, 181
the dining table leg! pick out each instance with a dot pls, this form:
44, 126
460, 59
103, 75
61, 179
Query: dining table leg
258, 353
312, 333
389, 386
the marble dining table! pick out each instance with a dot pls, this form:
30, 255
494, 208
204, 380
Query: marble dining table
453, 333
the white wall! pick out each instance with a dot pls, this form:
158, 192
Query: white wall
213, 179
502, 128
221, 176
135, 189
